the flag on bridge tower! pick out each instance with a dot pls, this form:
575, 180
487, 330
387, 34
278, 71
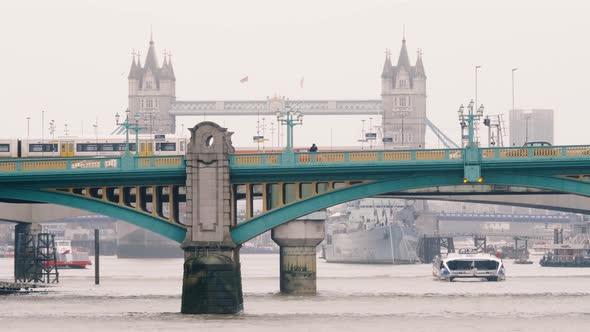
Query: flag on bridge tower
244, 80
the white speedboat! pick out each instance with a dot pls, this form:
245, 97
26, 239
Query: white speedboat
468, 263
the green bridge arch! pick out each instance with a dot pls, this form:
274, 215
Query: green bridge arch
140, 219
274, 218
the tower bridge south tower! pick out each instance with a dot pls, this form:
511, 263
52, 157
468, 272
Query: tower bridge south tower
403, 94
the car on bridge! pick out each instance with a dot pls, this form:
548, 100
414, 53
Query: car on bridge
537, 144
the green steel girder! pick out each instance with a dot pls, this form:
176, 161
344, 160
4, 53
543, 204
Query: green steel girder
274, 218
90, 178
376, 171
170, 230
350, 173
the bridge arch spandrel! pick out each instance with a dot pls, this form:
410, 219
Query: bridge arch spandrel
274, 218
170, 230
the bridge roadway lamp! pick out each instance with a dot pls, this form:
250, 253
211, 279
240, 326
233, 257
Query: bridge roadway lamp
468, 120
127, 125
472, 167
291, 119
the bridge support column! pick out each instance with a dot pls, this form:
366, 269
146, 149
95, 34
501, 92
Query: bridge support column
298, 240
212, 281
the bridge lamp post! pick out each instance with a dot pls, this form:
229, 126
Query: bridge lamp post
527, 117
472, 157
28, 126
476, 69
52, 128
127, 125
291, 119
469, 119
513, 70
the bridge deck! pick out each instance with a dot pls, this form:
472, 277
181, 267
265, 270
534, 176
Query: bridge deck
316, 159
253, 165
424, 156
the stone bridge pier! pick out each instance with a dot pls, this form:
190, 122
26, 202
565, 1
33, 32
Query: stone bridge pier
212, 281
298, 240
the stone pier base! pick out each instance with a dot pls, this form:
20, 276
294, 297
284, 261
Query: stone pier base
298, 270
298, 240
212, 282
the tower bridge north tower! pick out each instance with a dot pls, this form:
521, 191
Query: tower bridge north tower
152, 91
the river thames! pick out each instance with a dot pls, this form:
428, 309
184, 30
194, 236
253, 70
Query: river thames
144, 295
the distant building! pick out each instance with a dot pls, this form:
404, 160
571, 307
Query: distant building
403, 94
532, 125
152, 90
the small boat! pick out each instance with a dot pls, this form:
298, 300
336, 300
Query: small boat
250, 248
6, 251
68, 257
468, 263
522, 261
574, 253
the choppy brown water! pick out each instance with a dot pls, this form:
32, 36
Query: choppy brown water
144, 295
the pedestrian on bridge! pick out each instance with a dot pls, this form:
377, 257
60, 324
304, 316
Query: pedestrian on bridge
313, 148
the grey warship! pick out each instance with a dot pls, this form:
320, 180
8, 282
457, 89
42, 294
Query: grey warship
372, 231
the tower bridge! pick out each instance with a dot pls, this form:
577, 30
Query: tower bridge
402, 106
212, 179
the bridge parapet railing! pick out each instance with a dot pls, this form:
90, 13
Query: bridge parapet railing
250, 159
159, 161
14, 165
576, 151
400, 156
343, 157
8, 166
94, 163
533, 152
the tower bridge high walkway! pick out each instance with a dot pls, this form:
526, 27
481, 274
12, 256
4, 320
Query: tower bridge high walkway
275, 188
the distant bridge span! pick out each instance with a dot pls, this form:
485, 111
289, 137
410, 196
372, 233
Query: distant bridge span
504, 217
528, 236
549, 201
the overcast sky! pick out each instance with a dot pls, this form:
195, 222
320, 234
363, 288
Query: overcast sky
71, 58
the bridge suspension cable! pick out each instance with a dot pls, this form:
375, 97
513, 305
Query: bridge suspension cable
446, 141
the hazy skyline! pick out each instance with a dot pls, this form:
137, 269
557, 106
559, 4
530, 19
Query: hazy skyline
72, 58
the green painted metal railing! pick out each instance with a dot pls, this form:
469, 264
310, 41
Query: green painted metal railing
345, 158
81, 164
